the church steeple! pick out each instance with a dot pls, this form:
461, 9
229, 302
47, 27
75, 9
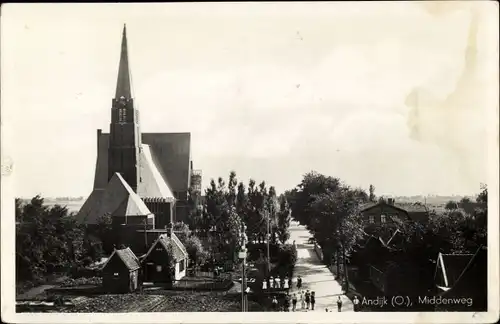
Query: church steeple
125, 134
123, 88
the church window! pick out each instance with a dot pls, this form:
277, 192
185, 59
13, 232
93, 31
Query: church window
383, 219
122, 115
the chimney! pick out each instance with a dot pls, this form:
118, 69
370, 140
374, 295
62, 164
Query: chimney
99, 132
170, 229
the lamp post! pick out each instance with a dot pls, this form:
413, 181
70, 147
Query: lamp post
268, 238
243, 256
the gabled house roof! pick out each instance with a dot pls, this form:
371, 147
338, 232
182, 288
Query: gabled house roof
472, 281
117, 199
449, 268
178, 248
128, 258
414, 211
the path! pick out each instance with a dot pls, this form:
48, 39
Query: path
315, 275
38, 290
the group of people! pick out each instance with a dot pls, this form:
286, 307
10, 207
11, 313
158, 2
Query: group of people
279, 283
307, 299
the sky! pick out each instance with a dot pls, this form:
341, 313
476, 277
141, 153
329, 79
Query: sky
400, 95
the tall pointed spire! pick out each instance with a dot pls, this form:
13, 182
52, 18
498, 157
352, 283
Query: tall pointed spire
123, 88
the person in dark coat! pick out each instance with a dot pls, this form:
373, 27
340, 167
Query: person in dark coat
313, 300
299, 282
294, 302
274, 304
290, 283
286, 304
339, 304
308, 299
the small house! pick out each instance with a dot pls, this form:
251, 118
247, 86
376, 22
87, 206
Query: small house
120, 273
156, 264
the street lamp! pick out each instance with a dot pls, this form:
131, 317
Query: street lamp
268, 238
243, 256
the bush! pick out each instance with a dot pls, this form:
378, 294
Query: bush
82, 282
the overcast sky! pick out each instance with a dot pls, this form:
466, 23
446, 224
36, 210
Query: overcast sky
398, 95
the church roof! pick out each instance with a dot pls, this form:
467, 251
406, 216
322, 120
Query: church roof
117, 199
170, 155
152, 182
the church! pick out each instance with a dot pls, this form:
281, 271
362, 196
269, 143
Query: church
143, 180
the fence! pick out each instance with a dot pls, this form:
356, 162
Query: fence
203, 284
319, 251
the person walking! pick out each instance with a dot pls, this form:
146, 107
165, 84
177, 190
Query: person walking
274, 304
308, 299
285, 284
294, 302
339, 304
286, 304
299, 282
277, 282
271, 282
290, 283
302, 301
355, 303
313, 300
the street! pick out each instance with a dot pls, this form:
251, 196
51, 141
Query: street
315, 275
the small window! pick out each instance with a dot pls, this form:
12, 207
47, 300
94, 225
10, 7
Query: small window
158, 268
382, 219
371, 219
115, 274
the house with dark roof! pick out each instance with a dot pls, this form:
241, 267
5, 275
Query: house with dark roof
120, 273
156, 264
389, 212
460, 276
153, 167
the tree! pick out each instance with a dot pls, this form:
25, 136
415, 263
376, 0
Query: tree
284, 217
222, 218
451, 205
182, 231
49, 241
195, 250
372, 196
104, 232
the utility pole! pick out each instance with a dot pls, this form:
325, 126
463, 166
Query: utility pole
243, 256
268, 238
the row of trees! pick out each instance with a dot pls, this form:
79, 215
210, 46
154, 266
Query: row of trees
329, 208
228, 206
331, 211
49, 240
